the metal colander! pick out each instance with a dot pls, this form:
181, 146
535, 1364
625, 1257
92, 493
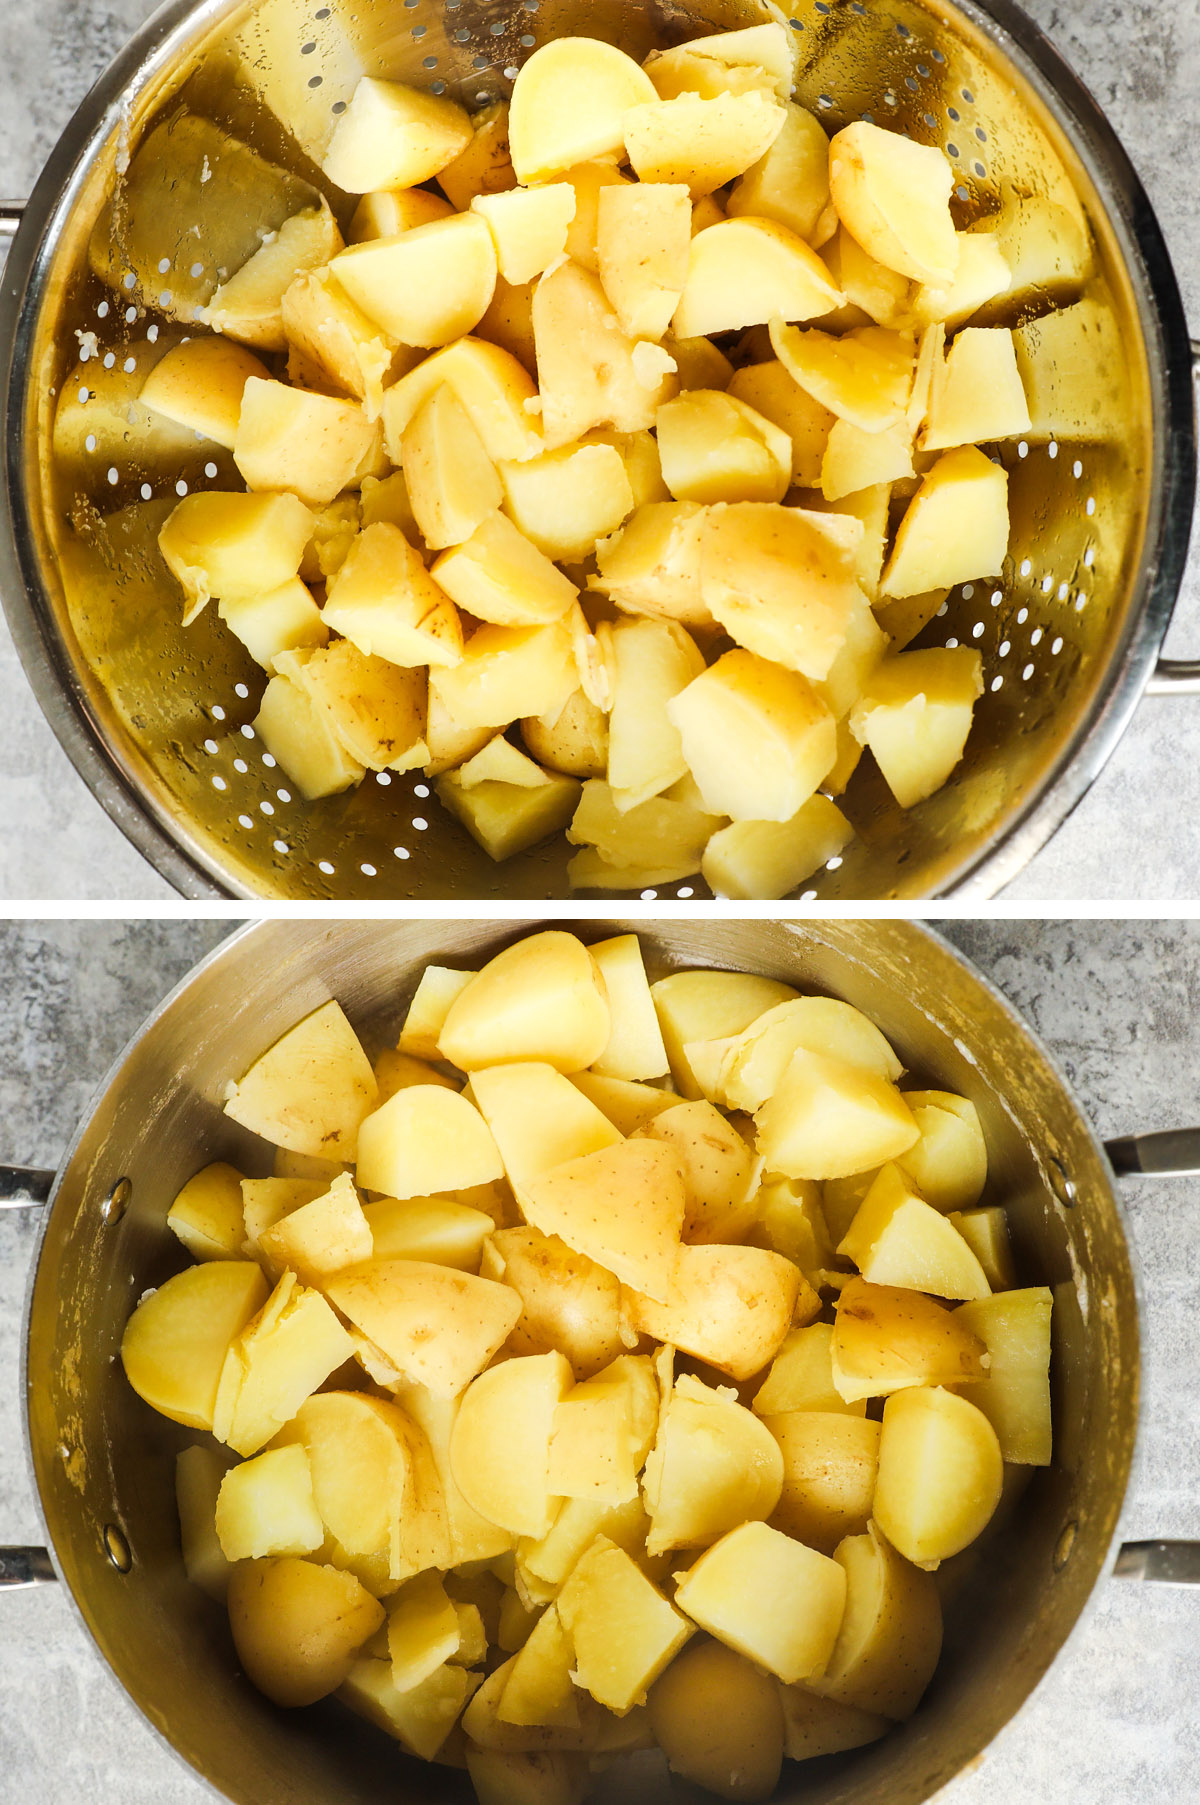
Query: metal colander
157, 718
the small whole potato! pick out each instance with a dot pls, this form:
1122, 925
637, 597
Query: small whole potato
297, 1626
719, 1721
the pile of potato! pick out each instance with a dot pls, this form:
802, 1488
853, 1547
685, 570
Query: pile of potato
609, 1366
556, 501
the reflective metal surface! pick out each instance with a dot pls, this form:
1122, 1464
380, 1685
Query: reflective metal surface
154, 716
102, 1459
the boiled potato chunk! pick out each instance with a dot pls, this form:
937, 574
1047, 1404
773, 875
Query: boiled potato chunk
829, 1118
569, 104
435, 1229
891, 1634
199, 384
955, 527
762, 859
176, 1341
634, 1048
275, 1363
429, 285
884, 295
822, 1726
528, 226
249, 306
622, 1206
829, 1465
373, 708
716, 448
332, 342
1014, 1393
567, 499
701, 142
207, 1214
719, 1722
384, 601
746, 272
713, 1466
491, 384
643, 238
949, 1162
756, 1060
667, 832
773, 1600
499, 1448
508, 818
424, 1140
538, 1118
422, 1631
603, 1430
302, 742
452, 483
386, 212
540, 999
652, 566
778, 397
265, 1201
265, 1506
760, 51
720, 1170
507, 672
568, 1302
976, 393
280, 620
485, 166
539, 1688
940, 1474
471, 1537
436, 990
321, 1237
623, 1630
983, 274
627, 1104
297, 1626
730, 1306
893, 197
499, 575
233, 545
533, 1777
310, 1091
790, 183
756, 737
573, 741
865, 377
856, 460
790, 1219
590, 372
783, 581
801, 1377
437, 1326
359, 1459
915, 714
392, 136
886, 1337
709, 1005
896, 1238
651, 663
986, 1234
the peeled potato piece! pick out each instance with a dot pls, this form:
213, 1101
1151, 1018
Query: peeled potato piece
499, 1448
864, 377
175, 1343
199, 384
893, 196
940, 1474
528, 226
568, 106
538, 1118
384, 601
915, 714
623, 1630
701, 142
643, 236
423, 1140
713, 1466
790, 182
428, 286
541, 999
1014, 1393
452, 483
769, 1597
766, 859
233, 545
716, 448
756, 737
590, 373
755, 1061
393, 136
828, 1118
955, 527
896, 1238
746, 272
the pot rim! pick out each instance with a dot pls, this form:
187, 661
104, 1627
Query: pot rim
181, 858
507, 927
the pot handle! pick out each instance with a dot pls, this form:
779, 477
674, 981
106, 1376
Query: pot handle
24, 1187
1169, 1563
1173, 1153
1178, 676
25, 1567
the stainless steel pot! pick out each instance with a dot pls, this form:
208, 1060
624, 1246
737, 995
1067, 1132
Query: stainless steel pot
158, 720
103, 1463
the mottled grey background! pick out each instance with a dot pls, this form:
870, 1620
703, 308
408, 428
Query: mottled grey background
1141, 60
1118, 1003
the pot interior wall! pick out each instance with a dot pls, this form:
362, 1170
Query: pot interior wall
103, 1459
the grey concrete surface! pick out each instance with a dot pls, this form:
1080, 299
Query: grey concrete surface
1142, 62
1118, 1003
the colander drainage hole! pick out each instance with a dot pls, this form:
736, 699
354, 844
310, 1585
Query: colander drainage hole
686, 890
